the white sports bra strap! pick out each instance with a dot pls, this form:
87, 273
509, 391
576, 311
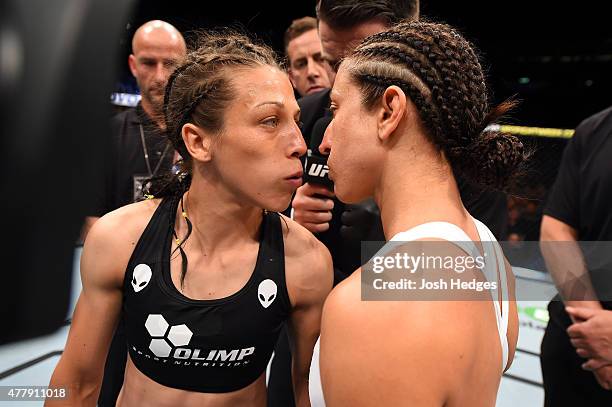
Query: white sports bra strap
501, 315
453, 233
440, 230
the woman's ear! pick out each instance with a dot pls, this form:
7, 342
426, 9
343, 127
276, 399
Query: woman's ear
198, 142
392, 110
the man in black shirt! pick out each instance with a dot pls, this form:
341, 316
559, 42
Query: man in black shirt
578, 209
139, 150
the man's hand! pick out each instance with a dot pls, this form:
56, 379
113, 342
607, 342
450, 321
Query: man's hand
604, 377
312, 207
591, 335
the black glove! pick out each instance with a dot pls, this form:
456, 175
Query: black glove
361, 222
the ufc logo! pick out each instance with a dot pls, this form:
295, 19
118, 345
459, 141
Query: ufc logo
318, 170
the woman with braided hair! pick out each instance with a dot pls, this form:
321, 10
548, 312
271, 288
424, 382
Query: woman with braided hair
410, 112
206, 272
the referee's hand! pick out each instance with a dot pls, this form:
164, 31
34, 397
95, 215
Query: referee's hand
312, 207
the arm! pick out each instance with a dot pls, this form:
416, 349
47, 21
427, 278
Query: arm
564, 260
81, 366
309, 281
567, 268
560, 225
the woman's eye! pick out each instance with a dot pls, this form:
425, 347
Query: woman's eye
300, 124
271, 121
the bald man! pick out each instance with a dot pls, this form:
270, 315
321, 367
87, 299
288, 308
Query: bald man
138, 148
139, 151
157, 47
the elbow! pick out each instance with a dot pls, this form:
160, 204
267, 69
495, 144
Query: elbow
547, 232
552, 229
81, 389
77, 394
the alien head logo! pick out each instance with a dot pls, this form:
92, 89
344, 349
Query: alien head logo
141, 277
266, 292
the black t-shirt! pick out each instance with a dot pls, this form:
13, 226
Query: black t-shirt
581, 196
490, 207
126, 168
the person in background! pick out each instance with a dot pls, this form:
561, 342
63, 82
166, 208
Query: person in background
308, 71
139, 149
578, 210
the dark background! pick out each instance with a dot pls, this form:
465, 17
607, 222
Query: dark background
556, 57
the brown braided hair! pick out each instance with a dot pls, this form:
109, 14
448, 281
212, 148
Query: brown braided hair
440, 72
199, 91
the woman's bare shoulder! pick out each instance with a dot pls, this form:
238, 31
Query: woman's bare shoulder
111, 241
308, 264
128, 221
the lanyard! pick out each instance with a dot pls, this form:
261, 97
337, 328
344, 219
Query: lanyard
146, 154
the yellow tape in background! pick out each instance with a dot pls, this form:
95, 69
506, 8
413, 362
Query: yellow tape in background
533, 131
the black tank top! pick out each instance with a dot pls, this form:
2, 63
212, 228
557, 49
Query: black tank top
211, 346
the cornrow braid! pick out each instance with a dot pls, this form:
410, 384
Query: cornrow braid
445, 62
428, 112
439, 70
169, 84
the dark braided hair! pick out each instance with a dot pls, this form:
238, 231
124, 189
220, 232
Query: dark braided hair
440, 72
198, 92
344, 14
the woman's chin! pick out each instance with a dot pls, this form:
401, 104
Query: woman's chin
277, 205
347, 195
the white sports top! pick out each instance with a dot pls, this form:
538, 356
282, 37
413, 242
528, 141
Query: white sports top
494, 264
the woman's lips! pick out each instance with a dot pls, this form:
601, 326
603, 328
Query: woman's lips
295, 179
